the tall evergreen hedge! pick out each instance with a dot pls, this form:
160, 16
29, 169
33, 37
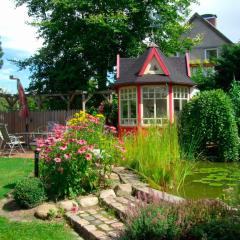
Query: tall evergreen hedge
208, 119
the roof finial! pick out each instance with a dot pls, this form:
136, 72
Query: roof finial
152, 45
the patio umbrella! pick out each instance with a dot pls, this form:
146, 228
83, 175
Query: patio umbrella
24, 111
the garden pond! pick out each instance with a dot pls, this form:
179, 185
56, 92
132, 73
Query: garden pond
210, 180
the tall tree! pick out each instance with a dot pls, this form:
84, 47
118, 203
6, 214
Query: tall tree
82, 37
1, 54
228, 67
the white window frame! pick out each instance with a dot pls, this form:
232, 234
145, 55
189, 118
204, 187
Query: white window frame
181, 96
154, 119
128, 121
205, 52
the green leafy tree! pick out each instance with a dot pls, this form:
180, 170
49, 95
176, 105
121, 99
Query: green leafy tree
235, 96
228, 67
204, 78
1, 54
82, 38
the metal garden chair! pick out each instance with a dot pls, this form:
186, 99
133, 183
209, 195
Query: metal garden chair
10, 141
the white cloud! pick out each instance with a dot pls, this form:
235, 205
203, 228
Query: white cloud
14, 32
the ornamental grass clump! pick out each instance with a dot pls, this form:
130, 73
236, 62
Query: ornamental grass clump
76, 159
155, 154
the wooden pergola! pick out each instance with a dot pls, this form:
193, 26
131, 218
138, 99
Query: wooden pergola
66, 97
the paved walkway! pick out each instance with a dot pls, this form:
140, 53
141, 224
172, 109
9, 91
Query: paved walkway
27, 154
105, 221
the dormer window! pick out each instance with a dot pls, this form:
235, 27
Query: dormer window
153, 67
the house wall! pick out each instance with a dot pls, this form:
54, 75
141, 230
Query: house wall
209, 39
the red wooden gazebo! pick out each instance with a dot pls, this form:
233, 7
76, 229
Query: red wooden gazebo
152, 89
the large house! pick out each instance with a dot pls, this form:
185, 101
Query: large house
151, 89
211, 42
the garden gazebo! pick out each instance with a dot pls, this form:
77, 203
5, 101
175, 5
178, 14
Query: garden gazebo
151, 88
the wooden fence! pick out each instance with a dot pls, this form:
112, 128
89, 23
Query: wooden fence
38, 121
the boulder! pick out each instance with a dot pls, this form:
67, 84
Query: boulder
88, 201
114, 176
107, 193
122, 190
67, 205
43, 210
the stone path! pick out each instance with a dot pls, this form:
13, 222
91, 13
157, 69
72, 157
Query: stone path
95, 224
106, 219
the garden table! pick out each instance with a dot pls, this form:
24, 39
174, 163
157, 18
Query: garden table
31, 136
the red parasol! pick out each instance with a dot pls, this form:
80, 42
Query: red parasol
24, 112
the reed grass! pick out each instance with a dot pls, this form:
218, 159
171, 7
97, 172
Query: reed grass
155, 154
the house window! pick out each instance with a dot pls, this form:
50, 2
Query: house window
180, 98
128, 106
211, 53
154, 100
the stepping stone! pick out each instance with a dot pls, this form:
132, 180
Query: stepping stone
107, 193
88, 201
123, 189
98, 226
120, 205
67, 205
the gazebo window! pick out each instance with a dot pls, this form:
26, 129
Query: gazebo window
128, 106
154, 104
180, 96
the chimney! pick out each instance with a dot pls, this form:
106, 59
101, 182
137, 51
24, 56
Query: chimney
211, 18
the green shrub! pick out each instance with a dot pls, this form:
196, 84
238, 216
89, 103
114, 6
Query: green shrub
235, 96
76, 158
223, 229
29, 192
209, 117
188, 220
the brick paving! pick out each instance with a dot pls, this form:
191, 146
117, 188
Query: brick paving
95, 224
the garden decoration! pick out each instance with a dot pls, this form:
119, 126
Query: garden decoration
151, 88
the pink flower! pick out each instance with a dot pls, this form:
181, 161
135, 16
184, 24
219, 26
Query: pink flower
38, 149
90, 147
74, 208
82, 142
57, 160
63, 148
88, 156
67, 156
81, 150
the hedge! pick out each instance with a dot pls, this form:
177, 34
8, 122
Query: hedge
209, 119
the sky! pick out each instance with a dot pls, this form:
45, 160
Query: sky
19, 39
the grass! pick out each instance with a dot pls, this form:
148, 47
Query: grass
11, 170
155, 155
35, 230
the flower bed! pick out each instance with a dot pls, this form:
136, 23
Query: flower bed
76, 159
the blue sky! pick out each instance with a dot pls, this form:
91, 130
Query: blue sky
19, 39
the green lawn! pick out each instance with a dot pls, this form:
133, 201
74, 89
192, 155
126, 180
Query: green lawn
11, 170
33, 231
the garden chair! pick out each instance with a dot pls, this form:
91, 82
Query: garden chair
10, 141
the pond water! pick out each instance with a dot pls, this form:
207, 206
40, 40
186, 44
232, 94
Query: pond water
209, 180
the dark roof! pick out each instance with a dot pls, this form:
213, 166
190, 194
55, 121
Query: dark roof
130, 67
208, 24
209, 15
